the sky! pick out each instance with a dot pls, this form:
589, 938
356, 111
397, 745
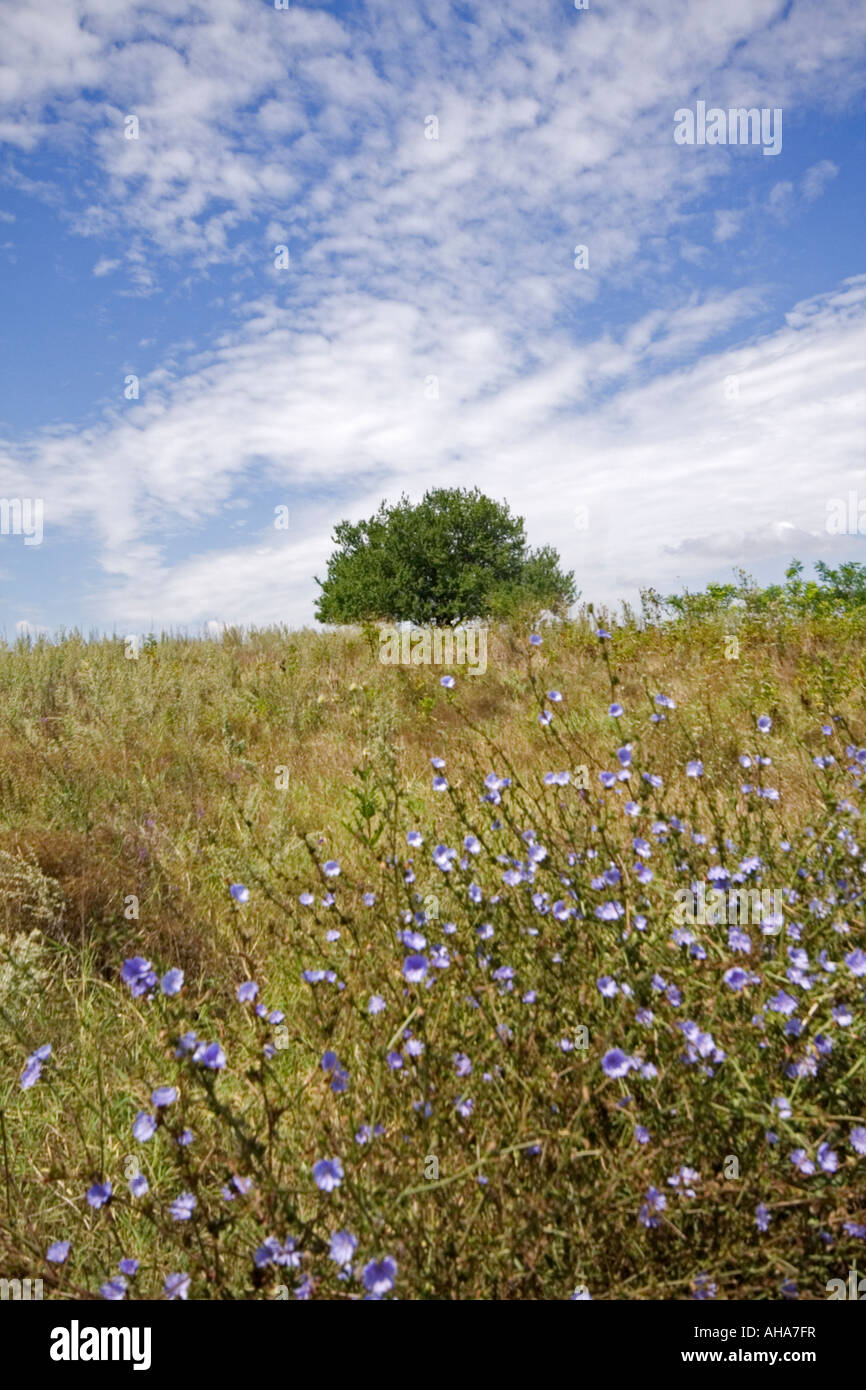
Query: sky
265, 263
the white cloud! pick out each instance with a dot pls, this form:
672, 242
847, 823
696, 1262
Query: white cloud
817, 177
727, 224
671, 466
415, 259
24, 628
781, 199
546, 115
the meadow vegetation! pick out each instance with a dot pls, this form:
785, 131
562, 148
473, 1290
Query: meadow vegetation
361, 985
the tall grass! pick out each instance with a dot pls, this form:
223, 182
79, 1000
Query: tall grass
455, 1036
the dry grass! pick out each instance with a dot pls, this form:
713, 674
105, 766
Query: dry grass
133, 792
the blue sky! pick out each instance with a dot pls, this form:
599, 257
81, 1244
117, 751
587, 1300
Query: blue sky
689, 401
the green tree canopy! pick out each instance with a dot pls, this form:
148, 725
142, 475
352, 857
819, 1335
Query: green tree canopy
457, 555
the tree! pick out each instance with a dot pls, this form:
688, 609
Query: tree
457, 555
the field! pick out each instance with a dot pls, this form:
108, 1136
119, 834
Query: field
444, 1031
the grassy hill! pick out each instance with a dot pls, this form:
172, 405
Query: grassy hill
568, 1084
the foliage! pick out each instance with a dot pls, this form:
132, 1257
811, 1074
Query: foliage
456, 556
570, 1088
835, 592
